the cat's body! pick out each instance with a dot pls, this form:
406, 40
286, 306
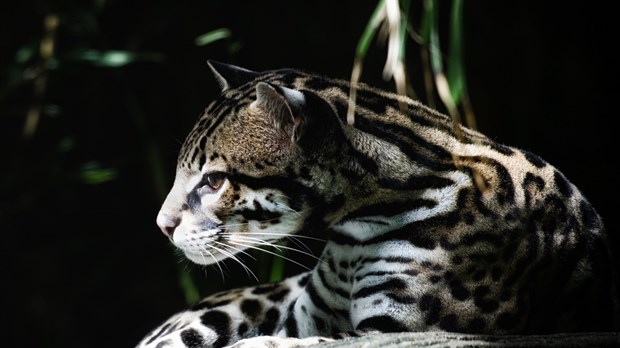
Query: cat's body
427, 228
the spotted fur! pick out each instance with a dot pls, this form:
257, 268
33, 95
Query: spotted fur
427, 226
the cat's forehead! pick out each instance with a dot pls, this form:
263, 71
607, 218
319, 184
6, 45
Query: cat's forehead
238, 137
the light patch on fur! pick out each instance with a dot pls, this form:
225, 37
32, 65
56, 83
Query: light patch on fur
192, 182
294, 97
363, 228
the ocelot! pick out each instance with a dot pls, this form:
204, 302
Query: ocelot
428, 225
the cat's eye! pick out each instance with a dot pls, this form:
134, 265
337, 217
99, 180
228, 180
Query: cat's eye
212, 182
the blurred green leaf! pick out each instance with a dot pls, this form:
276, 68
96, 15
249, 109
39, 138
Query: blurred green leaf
99, 4
427, 21
111, 59
277, 269
92, 173
25, 53
430, 33
189, 288
369, 31
217, 34
234, 47
455, 66
66, 144
51, 110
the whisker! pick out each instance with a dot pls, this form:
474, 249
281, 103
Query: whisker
235, 225
289, 235
235, 258
236, 249
216, 262
299, 243
182, 259
271, 252
292, 237
288, 208
257, 241
268, 243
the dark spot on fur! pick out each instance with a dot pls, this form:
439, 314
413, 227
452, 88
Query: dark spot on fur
251, 308
279, 295
382, 323
209, 304
481, 291
469, 218
532, 184
432, 305
264, 289
449, 323
457, 260
319, 323
562, 184
220, 323
291, 322
458, 290
505, 295
509, 252
448, 275
503, 149
192, 338
478, 275
496, 273
476, 325
402, 297
269, 323
533, 159
242, 329
304, 280
422, 241
304, 173
485, 305
259, 213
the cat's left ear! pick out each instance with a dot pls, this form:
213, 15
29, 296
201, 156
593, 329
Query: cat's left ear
306, 117
230, 76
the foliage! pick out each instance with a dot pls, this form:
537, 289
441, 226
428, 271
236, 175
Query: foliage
70, 43
393, 18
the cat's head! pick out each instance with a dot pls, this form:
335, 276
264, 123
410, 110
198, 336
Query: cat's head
252, 169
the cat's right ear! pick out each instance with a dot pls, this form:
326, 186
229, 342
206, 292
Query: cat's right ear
302, 115
230, 76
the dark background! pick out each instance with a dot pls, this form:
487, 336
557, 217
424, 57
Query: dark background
83, 263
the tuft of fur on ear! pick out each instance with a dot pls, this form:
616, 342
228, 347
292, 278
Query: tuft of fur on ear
230, 76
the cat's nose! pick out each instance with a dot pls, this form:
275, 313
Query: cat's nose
167, 224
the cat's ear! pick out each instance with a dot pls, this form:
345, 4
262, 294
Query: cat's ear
304, 116
230, 76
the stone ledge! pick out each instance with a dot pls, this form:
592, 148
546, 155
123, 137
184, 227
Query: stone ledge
447, 339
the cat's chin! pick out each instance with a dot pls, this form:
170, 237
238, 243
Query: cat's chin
205, 258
